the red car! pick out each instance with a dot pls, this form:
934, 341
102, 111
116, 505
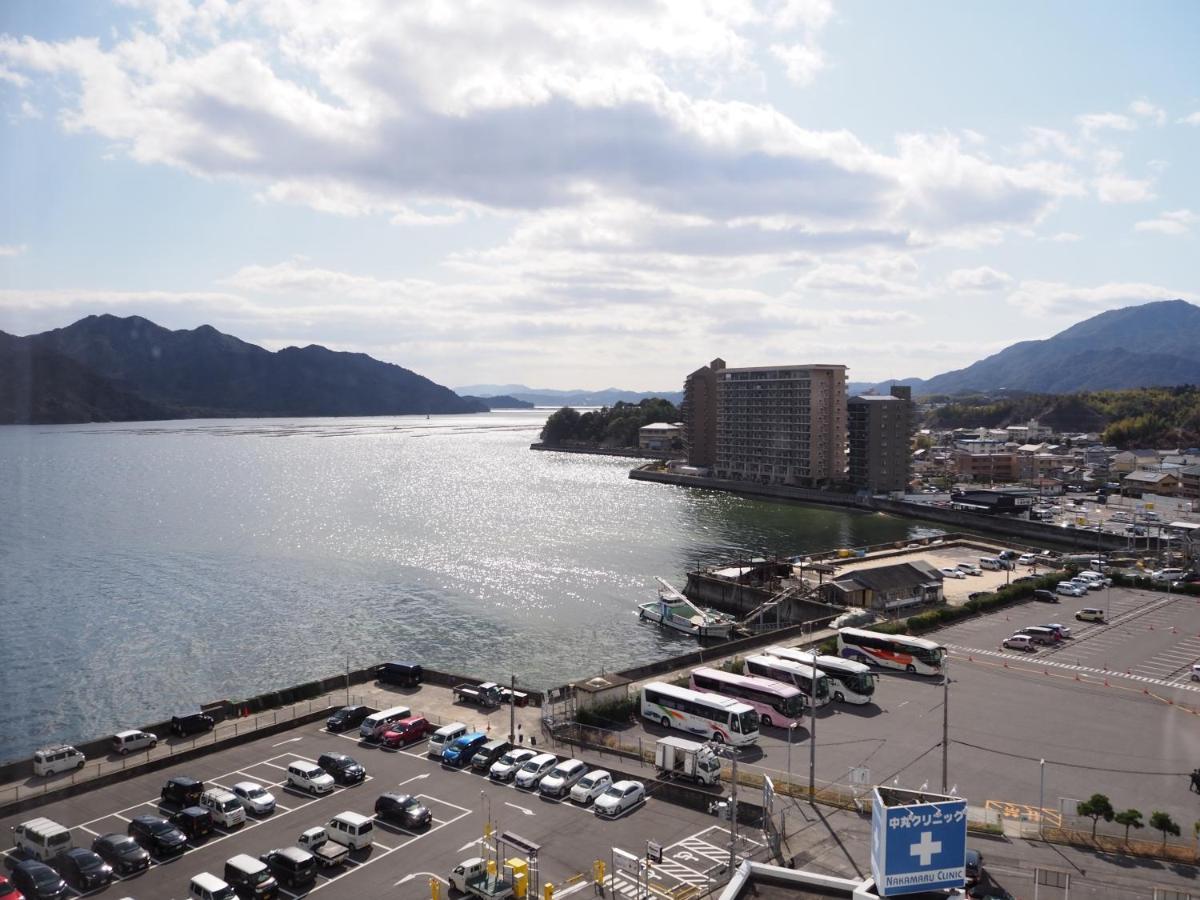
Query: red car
8, 891
406, 731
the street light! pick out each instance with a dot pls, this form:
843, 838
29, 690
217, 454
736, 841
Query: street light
791, 728
512, 711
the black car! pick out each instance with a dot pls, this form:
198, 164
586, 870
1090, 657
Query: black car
974, 866
121, 852
182, 791
37, 881
192, 723
194, 821
344, 769
291, 865
157, 835
404, 674
403, 809
348, 717
84, 869
1045, 596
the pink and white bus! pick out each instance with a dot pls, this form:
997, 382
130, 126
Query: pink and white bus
776, 703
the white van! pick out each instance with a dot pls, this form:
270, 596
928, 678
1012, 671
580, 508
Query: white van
227, 810
443, 737
992, 562
374, 725
309, 777
125, 742
52, 760
42, 838
351, 829
209, 887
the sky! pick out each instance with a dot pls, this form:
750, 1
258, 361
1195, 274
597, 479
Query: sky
594, 194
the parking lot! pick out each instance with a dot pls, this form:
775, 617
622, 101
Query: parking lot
401, 861
956, 590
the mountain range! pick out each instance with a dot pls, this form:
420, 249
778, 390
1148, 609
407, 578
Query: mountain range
1153, 344
107, 368
557, 398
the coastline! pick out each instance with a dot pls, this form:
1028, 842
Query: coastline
628, 452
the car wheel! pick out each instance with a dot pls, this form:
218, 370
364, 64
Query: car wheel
153, 744
124, 751
664, 722
766, 720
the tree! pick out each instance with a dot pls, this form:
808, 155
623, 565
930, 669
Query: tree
560, 426
1161, 821
1097, 807
1130, 818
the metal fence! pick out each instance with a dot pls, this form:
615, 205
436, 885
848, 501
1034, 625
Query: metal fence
34, 786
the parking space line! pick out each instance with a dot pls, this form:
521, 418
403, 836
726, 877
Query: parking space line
119, 816
385, 848
88, 830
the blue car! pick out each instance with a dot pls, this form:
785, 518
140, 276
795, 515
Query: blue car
459, 753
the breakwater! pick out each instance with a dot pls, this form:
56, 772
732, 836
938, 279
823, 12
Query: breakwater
1035, 533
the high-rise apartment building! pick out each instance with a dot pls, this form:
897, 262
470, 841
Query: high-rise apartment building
781, 424
880, 432
699, 412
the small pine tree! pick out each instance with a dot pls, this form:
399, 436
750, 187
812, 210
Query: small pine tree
1096, 807
1130, 818
1161, 821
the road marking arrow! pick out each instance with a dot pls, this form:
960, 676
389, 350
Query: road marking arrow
414, 778
528, 812
288, 741
412, 875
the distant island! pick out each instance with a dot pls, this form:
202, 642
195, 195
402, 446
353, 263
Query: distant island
501, 402
111, 369
576, 397
610, 428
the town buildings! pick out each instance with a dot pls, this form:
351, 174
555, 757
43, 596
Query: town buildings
699, 411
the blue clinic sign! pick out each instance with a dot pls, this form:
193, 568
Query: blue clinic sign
917, 846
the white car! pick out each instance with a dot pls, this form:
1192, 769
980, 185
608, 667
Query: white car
562, 778
591, 786
951, 572
1019, 642
1026, 559
309, 777
969, 568
621, 797
254, 797
1070, 589
507, 765
535, 770
1063, 631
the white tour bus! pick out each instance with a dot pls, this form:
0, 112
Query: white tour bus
708, 715
893, 651
776, 702
789, 672
851, 682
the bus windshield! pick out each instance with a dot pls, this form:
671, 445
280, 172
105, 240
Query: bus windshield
931, 657
748, 722
861, 683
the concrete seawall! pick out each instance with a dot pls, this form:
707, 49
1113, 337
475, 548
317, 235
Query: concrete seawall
604, 451
1035, 533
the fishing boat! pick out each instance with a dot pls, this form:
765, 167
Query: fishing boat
674, 610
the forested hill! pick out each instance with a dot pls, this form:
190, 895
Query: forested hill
106, 368
612, 427
1141, 417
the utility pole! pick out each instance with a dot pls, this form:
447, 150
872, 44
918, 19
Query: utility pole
512, 711
733, 814
945, 723
347, 679
1042, 797
812, 734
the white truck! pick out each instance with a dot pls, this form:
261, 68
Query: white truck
471, 877
677, 757
329, 854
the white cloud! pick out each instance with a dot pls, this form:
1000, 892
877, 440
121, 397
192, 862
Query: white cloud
802, 62
983, 278
1146, 110
309, 105
1175, 222
1091, 123
1116, 188
1190, 119
1041, 298
9, 250
1064, 237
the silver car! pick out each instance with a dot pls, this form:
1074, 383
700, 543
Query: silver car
254, 797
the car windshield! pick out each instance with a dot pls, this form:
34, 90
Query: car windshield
587, 781
260, 876
43, 875
531, 766
161, 828
507, 759
613, 792
255, 792
408, 802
